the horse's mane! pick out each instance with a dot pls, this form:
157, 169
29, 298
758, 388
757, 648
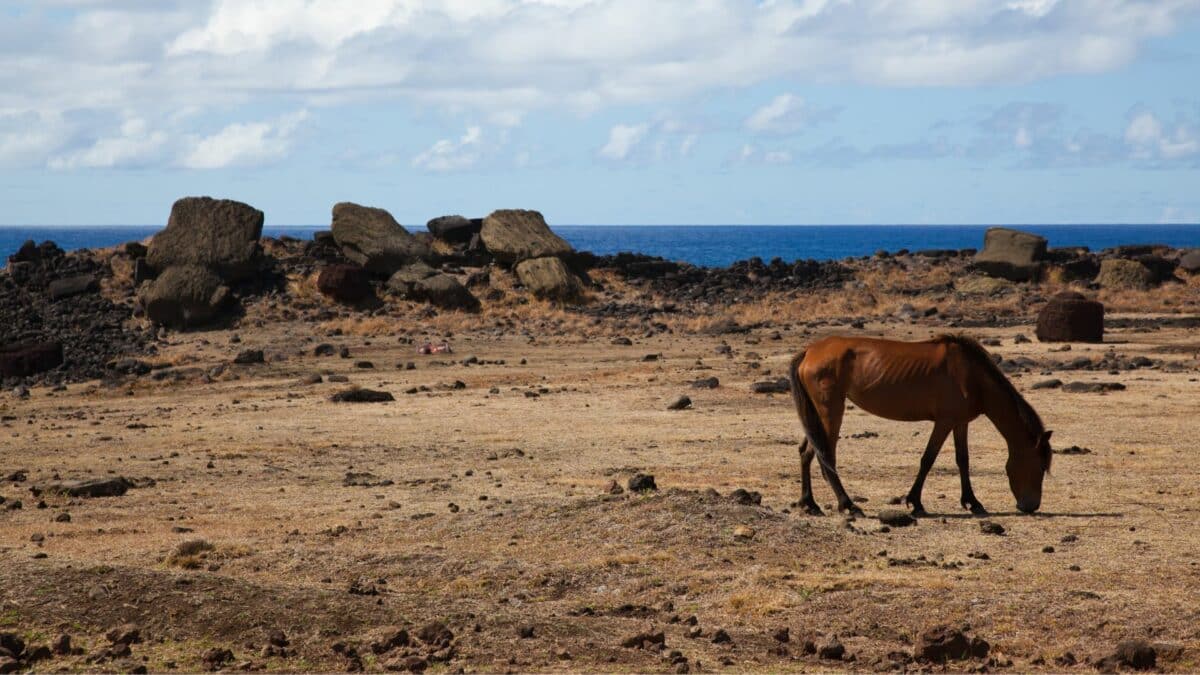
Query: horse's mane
983, 359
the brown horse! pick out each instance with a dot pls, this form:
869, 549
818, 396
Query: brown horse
949, 380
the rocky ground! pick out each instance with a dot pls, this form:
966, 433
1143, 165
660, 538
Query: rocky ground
598, 474
483, 521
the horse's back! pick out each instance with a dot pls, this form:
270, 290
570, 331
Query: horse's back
899, 380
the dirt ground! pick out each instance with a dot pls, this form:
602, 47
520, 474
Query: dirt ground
488, 510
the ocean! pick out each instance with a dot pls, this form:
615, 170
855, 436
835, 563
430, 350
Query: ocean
710, 245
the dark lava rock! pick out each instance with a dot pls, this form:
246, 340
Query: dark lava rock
1073, 450
127, 634
514, 235
216, 657
1133, 654
896, 518
549, 278
345, 283
991, 527
706, 383
454, 229
642, 482
373, 239
29, 358
1070, 317
721, 637
361, 396
942, 643
249, 356
219, 235
780, 386
648, 640
833, 651
1011, 254
73, 285
680, 403
99, 487
185, 296
1052, 383
1092, 387
324, 349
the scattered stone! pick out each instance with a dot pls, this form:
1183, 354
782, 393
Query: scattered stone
1092, 387
1135, 654
648, 640
71, 286
436, 634
1070, 317
216, 657
249, 356
779, 386
1073, 450
896, 518
681, 403
783, 634
642, 482
743, 532
706, 383
97, 487
942, 643
991, 527
746, 497
721, 637
1052, 383
834, 650
358, 395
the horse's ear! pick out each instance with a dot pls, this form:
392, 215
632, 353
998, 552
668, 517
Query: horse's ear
1046, 436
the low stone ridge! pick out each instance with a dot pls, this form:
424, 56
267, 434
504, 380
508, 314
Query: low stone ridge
1011, 254
1071, 317
549, 279
373, 239
28, 358
219, 234
514, 235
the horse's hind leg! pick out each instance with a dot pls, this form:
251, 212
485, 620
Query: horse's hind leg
969, 500
806, 496
830, 408
936, 440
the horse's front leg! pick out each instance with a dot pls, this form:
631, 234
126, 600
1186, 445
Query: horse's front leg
936, 440
969, 501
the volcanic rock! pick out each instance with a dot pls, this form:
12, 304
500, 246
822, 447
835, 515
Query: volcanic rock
219, 234
345, 283
185, 296
27, 358
1011, 254
1070, 317
454, 229
361, 396
548, 278
372, 238
1118, 273
514, 235
75, 285
942, 643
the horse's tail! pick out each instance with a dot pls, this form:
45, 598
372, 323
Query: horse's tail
814, 429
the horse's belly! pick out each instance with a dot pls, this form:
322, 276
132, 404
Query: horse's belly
894, 404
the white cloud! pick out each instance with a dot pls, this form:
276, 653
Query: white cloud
447, 155
1149, 139
786, 114
245, 144
136, 146
622, 139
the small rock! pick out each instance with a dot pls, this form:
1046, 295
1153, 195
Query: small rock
642, 482
833, 651
361, 396
896, 518
680, 403
991, 527
743, 532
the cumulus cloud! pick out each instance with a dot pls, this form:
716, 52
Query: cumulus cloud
787, 114
135, 146
448, 155
245, 144
622, 139
1149, 139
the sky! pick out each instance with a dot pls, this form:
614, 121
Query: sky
604, 111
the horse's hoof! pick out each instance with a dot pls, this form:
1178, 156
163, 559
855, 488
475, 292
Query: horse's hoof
919, 512
814, 510
978, 510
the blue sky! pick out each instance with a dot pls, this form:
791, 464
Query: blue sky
604, 111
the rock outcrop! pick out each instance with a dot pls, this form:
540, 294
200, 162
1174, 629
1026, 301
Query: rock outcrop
372, 238
345, 283
1190, 261
454, 229
421, 283
185, 296
548, 278
219, 234
23, 359
514, 235
1011, 254
1070, 317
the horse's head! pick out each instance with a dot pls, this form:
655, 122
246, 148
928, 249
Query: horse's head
1026, 467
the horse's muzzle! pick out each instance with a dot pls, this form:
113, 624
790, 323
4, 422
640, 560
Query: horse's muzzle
1029, 506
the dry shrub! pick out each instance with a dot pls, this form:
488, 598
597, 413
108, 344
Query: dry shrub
190, 554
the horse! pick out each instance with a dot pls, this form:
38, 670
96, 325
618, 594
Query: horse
949, 380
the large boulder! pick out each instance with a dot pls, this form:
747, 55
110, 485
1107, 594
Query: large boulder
513, 235
184, 296
1162, 269
443, 290
29, 358
454, 229
372, 238
1190, 262
220, 234
1070, 317
345, 283
1011, 254
549, 278
1122, 274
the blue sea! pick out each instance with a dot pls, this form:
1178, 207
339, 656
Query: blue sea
711, 245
